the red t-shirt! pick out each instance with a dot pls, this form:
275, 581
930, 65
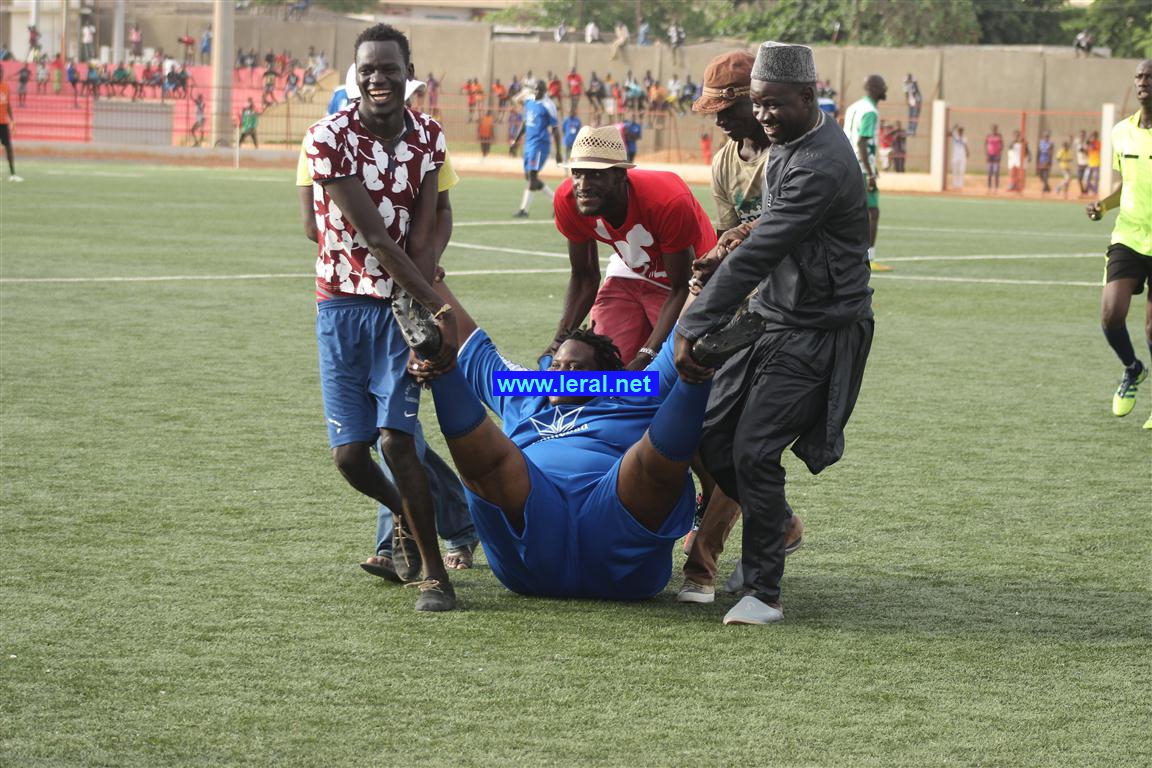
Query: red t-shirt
663, 217
339, 146
575, 84
994, 145
4, 97
554, 88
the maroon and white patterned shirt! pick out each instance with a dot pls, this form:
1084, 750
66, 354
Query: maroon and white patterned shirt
339, 146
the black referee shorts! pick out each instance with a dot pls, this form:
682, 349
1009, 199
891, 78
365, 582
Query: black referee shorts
1123, 262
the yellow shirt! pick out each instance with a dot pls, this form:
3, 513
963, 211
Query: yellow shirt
1132, 156
1064, 159
446, 180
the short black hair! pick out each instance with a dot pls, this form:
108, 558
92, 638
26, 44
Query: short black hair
382, 33
606, 352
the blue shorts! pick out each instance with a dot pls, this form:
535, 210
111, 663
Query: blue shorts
363, 371
590, 547
536, 155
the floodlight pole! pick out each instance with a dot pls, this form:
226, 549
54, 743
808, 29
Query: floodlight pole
223, 36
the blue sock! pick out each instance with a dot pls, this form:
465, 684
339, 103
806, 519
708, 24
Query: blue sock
675, 430
1121, 344
458, 409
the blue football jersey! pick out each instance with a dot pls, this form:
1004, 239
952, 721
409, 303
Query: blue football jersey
539, 118
575, 445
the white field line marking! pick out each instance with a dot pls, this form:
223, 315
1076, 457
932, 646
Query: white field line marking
963, 231
896, 228
516, 251
882, 259
467, 272
464, 273
191, 278
995, 257
108, 174
549, 222
984, 280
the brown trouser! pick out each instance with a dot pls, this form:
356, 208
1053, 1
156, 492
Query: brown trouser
719, 517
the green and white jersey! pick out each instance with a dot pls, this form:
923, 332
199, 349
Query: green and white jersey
862, 120
1132, 156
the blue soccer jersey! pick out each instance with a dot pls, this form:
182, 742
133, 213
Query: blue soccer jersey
578, 541
539, 119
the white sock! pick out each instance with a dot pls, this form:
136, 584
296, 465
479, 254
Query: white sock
527, 200
871, 254
548, 191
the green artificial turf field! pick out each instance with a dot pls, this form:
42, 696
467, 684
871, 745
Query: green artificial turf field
178, 556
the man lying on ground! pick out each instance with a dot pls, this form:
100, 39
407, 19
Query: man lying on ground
577, 496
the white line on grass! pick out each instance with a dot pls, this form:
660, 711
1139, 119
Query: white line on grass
190, 278
995, 257
985, 280
893, 259
1001, 232
501, 223
500, 249
148, 279
108, 174
891, 228
466, 272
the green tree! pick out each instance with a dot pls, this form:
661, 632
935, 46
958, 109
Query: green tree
1022, 22
693, 16
1125, 26
899, 22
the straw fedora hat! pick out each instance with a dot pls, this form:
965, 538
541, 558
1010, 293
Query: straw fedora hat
598, 148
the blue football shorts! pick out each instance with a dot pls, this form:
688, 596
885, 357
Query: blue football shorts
363, 371
585, 547
536, 155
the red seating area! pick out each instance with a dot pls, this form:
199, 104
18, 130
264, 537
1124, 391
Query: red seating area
67, 117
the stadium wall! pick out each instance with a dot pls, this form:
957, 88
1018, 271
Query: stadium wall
980, 77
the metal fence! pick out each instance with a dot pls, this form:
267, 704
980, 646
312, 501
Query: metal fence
1062, 126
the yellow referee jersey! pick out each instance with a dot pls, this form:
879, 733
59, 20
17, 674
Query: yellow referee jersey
1132, 156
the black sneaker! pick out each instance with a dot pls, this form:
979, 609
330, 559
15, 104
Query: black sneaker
520, 214
416, 323
435, 596
712, 349
405, 554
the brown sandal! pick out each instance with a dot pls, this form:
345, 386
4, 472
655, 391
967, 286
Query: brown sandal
459, 558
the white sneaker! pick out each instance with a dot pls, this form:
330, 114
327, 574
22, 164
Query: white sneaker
692, 592
14, 177
751, 610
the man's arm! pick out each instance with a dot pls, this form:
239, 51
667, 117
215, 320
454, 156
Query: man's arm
805, 196
423, 229
726, 215
582, 287
556, 141
862, 154
1097, 209
349, 195
679, 267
